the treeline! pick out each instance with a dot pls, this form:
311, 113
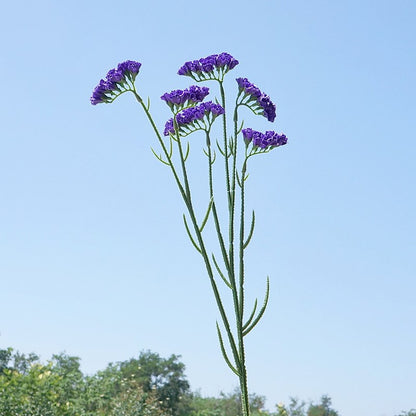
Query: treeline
145, 386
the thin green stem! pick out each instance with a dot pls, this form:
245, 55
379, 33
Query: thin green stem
188, 202
243, 374
227, 168
214, 208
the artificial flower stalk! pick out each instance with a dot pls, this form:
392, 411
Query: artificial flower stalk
191, 114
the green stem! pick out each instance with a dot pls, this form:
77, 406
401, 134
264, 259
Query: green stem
227, 181
243, 376
184, 193
214, 208
188, 202
230, 199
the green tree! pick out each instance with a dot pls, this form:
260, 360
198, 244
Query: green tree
323, 408
165, 376
28, 387
295, 408
225, 405
298, 408
5, 358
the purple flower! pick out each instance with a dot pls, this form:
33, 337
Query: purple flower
254, 94
269, 109
250, 89
169, 127
197, 94
190, 116
114, 83
208, 64
129, 68
192, 95
115, 75
99, 95
223, 62
267, 140
225, 59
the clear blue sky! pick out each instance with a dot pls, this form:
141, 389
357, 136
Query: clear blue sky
94, 260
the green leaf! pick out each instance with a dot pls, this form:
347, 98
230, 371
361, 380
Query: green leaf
224, 353
206, 215
159, 157
253, 220
241, 127
220, 149
238, 179
190, 235
220, 273
261, 312
251, 316
187, 152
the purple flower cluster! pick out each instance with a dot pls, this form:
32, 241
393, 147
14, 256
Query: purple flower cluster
262, 100
191, 95
224, 61
193, 114
114, 80
266, 140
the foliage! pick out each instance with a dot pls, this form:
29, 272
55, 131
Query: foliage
225, 405
147, 386
298, 408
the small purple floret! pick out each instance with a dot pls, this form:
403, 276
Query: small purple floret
115, 78
269, 139
192, 95
263, 100
193, 114
223, 61
131, 67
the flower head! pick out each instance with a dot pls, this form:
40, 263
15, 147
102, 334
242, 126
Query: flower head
129, 68
256, 98
189, 96
115, 82
99, 95
189, 118
211, 67
267, 140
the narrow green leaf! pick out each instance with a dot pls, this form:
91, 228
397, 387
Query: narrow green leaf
190, 235
251, 316
214, 158
206, 215
220, 273
238, 179
170, 146
241, 127
159, 157
253, 220
261, 312
224, 353
187, 152
220, 149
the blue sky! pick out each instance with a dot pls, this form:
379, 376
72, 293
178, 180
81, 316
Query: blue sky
94, 260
